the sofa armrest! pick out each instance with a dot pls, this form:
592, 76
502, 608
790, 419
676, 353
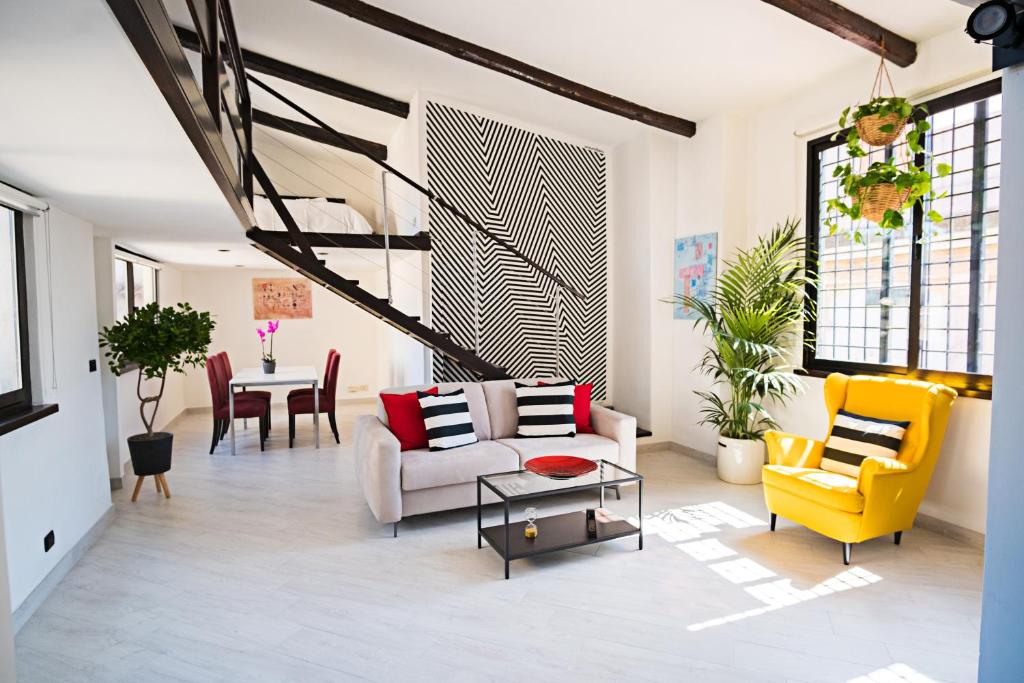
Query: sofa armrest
378, 461
618, 427
791, 450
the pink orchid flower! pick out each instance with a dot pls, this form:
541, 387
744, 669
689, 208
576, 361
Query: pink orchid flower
272, 326
261, 333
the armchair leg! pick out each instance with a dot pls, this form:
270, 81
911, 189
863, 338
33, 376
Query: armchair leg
773, 519
897, 537
847, 547
395, 530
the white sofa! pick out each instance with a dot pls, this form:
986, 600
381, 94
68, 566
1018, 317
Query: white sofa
401, 484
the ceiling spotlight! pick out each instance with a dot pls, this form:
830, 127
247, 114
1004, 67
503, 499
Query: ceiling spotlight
223, 250
998, 21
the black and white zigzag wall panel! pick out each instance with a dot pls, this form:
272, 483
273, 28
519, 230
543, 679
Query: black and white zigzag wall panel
548, 198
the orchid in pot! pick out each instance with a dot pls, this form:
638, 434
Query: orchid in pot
269, 362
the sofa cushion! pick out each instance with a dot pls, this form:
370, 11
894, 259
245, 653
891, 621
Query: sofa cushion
423, 469
405, 418
590, 446
474, 398
447, 419
834, 490
545, 410
501, 405
581, 407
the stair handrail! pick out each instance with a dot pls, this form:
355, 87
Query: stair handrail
428, 193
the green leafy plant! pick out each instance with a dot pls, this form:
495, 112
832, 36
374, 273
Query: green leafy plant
157, 340
909, 176
753, 315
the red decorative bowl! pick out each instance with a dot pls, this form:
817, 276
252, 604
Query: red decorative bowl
560, 466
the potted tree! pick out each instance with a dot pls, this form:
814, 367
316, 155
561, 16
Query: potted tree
752, 315
157, 341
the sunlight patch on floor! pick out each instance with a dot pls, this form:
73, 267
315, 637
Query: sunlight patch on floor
743, 570
708, 549
693, 521
782, 593
894, 673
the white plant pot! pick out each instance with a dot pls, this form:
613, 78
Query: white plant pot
740, 460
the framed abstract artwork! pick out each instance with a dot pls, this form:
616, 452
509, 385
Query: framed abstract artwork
696, 263
275, 298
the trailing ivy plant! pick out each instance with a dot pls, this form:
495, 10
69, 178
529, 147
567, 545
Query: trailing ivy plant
157, 340
905, 174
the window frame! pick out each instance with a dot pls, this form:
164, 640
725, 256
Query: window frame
130, 259
974, 385
20, 400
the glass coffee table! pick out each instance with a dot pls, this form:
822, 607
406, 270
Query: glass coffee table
556, 532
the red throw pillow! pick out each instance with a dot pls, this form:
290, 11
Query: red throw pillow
580, 407
405, 418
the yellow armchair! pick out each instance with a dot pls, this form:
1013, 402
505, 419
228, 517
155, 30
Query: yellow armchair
885, 497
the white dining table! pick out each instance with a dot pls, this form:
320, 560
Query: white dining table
255, 377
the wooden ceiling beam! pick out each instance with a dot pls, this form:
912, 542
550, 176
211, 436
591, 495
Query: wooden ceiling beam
851, 26
496, 61
308, 79
317, 134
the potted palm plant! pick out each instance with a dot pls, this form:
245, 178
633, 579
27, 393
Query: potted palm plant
157, 341
752, 315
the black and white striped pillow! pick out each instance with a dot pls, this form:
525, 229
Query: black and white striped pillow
855, 437
447, 419
545, 410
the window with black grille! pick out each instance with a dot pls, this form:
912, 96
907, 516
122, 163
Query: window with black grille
918, 301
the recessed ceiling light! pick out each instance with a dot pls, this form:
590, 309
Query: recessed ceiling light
322, 253
239, 265
223, 250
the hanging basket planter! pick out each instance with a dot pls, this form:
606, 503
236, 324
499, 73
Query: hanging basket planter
875, 200
878, 191
879, 130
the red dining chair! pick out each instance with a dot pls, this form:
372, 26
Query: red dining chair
216, 374
302, 404
327, 369
261, 395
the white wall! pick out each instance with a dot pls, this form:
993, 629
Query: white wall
711, 192
227, 294
631, 258
745, 172
54, 471
642, 225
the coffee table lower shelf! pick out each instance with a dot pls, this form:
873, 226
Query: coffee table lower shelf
558, 532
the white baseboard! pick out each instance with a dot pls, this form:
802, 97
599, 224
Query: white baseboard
970, 537
39, 594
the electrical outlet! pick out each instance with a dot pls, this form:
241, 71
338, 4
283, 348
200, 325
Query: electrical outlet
356, 388
92, 365
48, 541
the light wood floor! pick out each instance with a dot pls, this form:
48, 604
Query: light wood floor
269, 567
